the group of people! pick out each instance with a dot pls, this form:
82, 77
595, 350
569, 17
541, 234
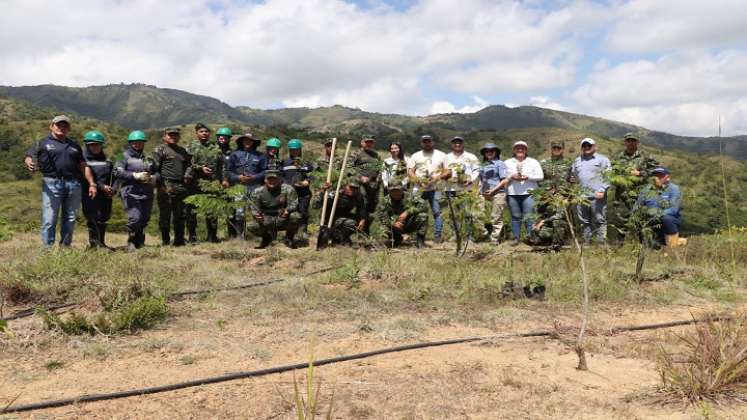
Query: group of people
278, 192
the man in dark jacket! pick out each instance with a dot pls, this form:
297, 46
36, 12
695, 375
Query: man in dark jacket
61, 162
246, 166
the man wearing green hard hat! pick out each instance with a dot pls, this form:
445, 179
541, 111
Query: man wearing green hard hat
98, 209
297, 173
137, 174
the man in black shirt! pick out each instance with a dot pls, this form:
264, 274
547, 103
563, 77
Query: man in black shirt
63, 166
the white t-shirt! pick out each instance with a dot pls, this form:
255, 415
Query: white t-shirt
528, 167
469, 165
426, 164
389, 168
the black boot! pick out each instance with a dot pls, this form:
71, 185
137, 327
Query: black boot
93, 236
192, 239
179, 236
165, 238
102, 236
289, 241
212, 234
266, 241
132, 241
140, 239
420, 241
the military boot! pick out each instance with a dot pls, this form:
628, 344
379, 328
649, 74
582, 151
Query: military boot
192, 238
212, 234
132, 241
266, 241
165, 238
179, 236
140, 239
420, 241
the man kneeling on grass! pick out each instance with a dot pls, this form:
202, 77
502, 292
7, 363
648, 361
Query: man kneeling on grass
663, 201
275, 208
401, 213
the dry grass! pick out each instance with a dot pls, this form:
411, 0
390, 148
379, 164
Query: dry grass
712, 366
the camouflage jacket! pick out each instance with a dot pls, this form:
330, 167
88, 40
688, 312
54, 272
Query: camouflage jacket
367, 163
639, 161
347, 207
172, 162
272, 202
388, 209
205, 154
557, 172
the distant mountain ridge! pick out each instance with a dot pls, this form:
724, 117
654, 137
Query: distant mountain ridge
146, 106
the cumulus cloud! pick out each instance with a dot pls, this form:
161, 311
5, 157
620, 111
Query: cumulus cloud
445, 107
681, 93
286, 52
665, 25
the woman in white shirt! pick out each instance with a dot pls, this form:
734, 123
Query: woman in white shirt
394, 167
523, 175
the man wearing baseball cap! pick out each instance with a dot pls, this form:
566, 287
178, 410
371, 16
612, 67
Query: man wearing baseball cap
622, 197
367, 164
63, 166
428, 167
663, 202
587, 170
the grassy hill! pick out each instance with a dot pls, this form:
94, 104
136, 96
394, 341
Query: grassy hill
144, 106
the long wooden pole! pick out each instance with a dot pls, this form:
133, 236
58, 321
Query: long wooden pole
329, 179
339, 184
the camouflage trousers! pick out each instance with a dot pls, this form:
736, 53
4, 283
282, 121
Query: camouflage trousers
271, 225
551, 233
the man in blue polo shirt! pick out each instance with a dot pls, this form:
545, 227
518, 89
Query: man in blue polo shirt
588, 171
61, 162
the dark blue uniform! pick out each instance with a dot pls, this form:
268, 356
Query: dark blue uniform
247, 163
98, 210
137, 196
226, 152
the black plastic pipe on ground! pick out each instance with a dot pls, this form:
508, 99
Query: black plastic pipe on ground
322, 362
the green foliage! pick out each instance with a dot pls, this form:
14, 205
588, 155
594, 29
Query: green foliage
216, 200
141, 314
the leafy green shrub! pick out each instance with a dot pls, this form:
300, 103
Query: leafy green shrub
142, 314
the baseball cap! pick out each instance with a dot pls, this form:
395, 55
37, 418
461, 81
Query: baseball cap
272, 173
630, 136
457, 139
426, 137
660, 170
521, 143
329, 141
60, 118
170, 130
557, 143
588, 140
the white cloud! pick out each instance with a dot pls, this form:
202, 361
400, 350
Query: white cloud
546, 102
445, 107
315, 52
662, 25
680, 93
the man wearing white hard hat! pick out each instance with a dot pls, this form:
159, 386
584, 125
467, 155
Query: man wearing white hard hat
587, 170
524, 174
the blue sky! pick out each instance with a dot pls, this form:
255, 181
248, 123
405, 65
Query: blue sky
665, 64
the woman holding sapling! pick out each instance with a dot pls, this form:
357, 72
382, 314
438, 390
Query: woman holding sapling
523, 175
394, 169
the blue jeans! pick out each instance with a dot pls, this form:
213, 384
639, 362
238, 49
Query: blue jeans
432, 198
59, 197
520, 206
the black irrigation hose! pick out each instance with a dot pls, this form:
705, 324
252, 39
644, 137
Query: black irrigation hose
321, 362
29, 312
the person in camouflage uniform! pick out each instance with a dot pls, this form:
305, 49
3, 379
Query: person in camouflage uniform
223, 138
367, 166
399, 213
551, 228
274, 207
557, 169
350, 214
172, 162
297, 173
632, 169
322, 163
207, 164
